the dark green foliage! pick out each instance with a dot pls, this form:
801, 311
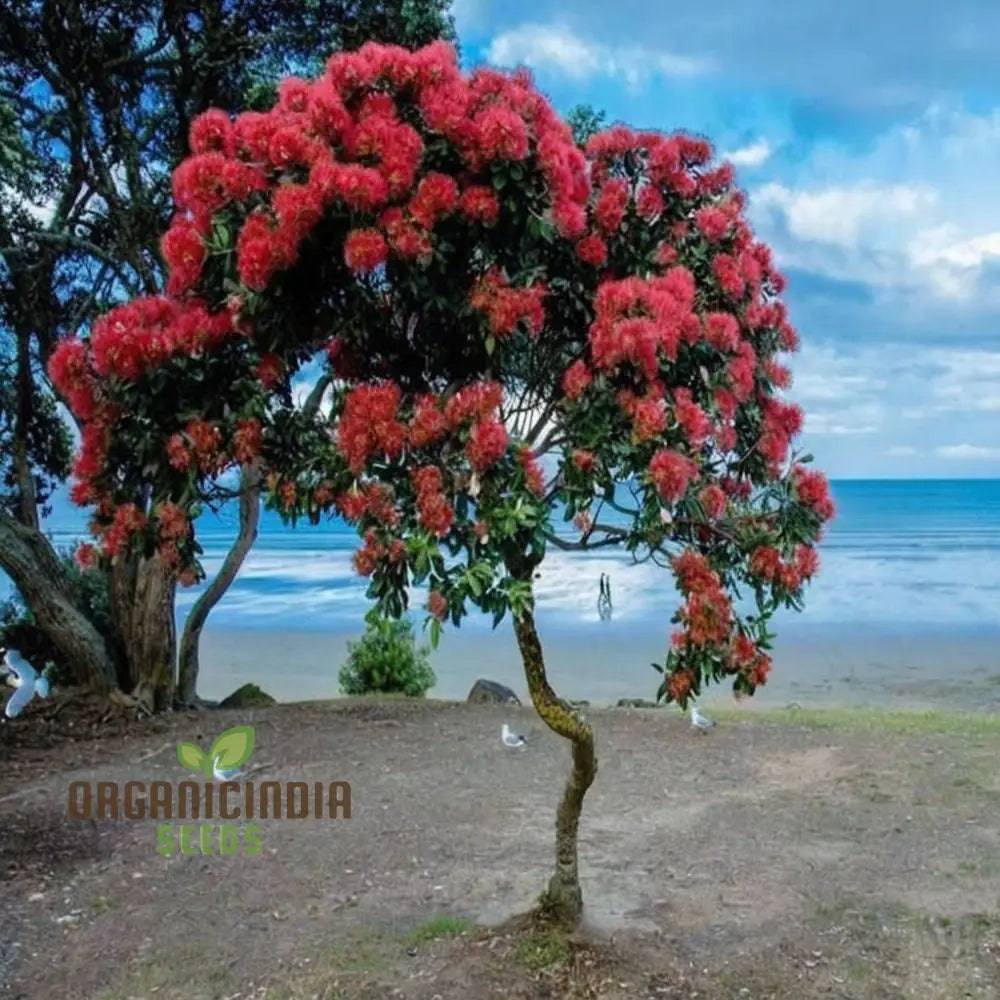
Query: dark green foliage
387, 661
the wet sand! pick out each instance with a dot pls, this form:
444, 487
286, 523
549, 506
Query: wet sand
603, 662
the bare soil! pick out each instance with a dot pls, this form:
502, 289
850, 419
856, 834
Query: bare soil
766, 859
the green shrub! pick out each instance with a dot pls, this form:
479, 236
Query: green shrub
387, 661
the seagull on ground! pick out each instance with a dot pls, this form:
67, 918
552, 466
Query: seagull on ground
700, 722
27, 681
511, 739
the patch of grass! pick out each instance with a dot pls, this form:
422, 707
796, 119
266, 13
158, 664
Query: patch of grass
542, 949
442, 926
143, 980
873, 719
100, 904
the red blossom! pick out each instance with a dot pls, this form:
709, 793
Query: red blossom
576, 380
365, 250
437, 605
487, 444
712, 223
86, 556
671, 473
592, 250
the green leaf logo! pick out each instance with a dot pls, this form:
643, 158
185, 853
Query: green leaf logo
191, 756
233, 747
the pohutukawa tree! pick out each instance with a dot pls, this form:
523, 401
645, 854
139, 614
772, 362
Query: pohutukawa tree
512, 327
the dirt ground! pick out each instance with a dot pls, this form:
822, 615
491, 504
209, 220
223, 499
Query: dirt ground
775, 857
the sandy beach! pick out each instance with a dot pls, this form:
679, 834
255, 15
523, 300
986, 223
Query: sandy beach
813, 668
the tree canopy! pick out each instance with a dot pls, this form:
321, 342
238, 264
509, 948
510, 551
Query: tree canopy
488, 296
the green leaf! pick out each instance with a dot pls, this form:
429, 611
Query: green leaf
233, 747
191, 756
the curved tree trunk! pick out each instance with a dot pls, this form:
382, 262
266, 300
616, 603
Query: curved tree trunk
250, 486
27, 556
564, 900
142, 605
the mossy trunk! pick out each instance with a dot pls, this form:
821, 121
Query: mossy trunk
142, 604
564, 900
27, 556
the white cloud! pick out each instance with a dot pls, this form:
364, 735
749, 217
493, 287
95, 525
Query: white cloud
826, 425
917, 210
968, 452
841, 216
754, 155
966, 381
558, 49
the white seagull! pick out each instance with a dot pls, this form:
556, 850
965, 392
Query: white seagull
28, 683
700, 722
511, 739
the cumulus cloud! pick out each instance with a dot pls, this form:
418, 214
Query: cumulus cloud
754, 155
557, 49
843, 215
917, 210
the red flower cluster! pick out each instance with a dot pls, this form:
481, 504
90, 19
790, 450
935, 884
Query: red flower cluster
365, 250
367, 558
437, 605
248, 440
592, 250
429, 425
369, 424
128, 521
813, 491
533, 475
671, 474
576, 380
708, 612
374, 500
487, 444
86, 556
349, 134
435, 513
478, 203
637, 320
506, 307
133, 339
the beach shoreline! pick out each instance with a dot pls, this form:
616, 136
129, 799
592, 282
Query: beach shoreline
816, 668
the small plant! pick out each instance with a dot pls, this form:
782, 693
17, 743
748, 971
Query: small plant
387, 661
443, 926
542, 949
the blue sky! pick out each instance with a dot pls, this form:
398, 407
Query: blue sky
867, 136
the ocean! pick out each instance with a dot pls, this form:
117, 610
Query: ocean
902, 555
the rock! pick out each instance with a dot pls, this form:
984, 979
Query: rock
490, 692
248, 696
636, 703
580, 704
